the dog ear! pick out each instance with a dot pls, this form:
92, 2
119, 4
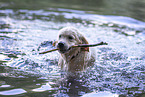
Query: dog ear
84, 41
54, 43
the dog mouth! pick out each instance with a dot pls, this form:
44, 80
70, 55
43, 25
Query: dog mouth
67, 50
63, 47
63, 51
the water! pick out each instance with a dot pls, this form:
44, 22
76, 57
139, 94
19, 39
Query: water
26, 29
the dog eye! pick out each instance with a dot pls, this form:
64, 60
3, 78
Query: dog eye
70, 37
59, 36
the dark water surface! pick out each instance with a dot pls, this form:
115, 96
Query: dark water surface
30, 26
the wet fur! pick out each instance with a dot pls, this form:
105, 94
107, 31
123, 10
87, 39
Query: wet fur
76, 59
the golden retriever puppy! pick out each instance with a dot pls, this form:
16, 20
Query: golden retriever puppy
73, 59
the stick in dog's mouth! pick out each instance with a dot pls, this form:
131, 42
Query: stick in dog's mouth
79, 45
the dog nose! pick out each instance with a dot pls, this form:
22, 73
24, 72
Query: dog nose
60, 45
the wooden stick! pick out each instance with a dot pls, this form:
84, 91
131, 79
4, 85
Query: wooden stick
90, 45
49, 51
79, 45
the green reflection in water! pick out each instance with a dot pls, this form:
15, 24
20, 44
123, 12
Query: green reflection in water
131, 8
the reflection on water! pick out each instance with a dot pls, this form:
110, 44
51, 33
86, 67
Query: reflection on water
26, 29
131, 8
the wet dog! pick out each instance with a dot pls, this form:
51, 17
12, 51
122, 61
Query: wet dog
73, 59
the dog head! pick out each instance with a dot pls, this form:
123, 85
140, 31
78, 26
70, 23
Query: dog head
68, 37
